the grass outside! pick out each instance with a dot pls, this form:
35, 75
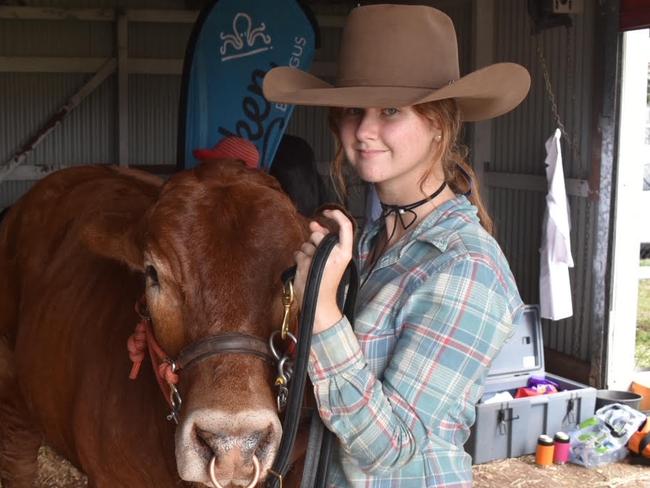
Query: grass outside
642, 358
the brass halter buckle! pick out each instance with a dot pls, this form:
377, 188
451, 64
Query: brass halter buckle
284, 362
287, 301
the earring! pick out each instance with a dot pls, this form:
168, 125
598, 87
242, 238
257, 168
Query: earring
438, 137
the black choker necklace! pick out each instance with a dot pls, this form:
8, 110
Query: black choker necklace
401, 210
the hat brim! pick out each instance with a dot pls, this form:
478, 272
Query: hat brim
483, 94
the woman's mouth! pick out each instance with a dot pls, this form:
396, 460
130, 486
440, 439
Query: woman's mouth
369, 153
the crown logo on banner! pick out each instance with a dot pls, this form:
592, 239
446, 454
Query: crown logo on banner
244, 41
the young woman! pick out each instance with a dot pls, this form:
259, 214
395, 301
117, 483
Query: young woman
437, 300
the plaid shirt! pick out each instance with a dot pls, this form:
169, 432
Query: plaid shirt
399, 391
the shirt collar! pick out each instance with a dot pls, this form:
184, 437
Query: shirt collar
434, 228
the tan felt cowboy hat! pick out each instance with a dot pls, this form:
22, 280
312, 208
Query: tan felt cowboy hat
401, 55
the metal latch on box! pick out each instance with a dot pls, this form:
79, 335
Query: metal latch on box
503, 420
570, 416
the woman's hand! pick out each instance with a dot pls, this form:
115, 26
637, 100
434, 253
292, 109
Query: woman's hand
327, 310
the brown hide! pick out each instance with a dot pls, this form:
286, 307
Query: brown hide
72, 256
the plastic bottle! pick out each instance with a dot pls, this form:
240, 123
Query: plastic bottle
561, 448
544, 452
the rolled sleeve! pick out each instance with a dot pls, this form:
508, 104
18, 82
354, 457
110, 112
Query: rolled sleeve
334, 351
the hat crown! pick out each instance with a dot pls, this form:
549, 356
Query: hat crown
398, 45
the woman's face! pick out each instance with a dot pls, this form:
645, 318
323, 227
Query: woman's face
388, 146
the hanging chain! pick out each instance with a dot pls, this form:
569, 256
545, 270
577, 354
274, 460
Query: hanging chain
551, 95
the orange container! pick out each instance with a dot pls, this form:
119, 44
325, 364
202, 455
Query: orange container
644, 391
545, 450
640, 437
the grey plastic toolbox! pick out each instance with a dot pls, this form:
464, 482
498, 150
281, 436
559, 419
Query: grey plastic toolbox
510, 428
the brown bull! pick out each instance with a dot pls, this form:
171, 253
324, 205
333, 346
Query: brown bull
208, 248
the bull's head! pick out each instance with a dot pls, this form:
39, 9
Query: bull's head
212, 249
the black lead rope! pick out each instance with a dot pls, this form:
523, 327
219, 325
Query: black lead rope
297, 389
352, 279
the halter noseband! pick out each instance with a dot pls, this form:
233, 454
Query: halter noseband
167, 369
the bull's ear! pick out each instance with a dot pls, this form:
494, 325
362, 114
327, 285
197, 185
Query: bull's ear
118, 236
329, 223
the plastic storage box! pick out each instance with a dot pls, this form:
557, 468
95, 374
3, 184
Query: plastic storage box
510, 428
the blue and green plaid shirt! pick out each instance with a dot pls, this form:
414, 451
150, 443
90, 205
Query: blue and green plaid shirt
399, 391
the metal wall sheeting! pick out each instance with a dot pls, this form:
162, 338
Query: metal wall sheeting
570, 66
86, 135
10, 191
158, 39
64, 38
518, 147
89, 133
518, 228
153, 118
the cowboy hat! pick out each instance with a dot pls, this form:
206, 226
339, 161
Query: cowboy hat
397, 56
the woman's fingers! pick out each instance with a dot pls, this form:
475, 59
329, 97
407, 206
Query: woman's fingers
346, 231
308, 248
316, 237
336, 263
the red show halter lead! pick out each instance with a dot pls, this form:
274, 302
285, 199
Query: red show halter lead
142, 339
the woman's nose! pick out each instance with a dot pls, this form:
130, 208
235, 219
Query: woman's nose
368, 126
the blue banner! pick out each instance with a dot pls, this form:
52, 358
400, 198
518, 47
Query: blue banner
233, 45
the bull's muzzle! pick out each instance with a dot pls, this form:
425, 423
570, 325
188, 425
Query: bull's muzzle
227, 449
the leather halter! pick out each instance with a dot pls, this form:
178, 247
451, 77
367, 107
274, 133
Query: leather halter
226, 343
167, 369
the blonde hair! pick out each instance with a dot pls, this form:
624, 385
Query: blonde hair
458, 174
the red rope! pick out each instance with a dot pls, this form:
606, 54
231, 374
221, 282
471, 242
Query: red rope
143, 338
137, 345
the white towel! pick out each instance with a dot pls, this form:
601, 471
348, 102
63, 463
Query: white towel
554, 285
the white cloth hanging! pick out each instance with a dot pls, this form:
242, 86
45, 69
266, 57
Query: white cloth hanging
554, 284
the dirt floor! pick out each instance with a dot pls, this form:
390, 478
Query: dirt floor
522, 472
518, 473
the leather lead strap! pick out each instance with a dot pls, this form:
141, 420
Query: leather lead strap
297, 390
312, 455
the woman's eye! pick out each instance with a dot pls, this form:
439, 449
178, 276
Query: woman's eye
390, 111
352, 111
152, 276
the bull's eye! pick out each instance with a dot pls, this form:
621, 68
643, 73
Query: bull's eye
152, 276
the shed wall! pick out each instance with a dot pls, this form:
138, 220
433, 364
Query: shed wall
89, 134
518, 148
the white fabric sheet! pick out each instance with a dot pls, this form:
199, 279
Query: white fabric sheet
554, 284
